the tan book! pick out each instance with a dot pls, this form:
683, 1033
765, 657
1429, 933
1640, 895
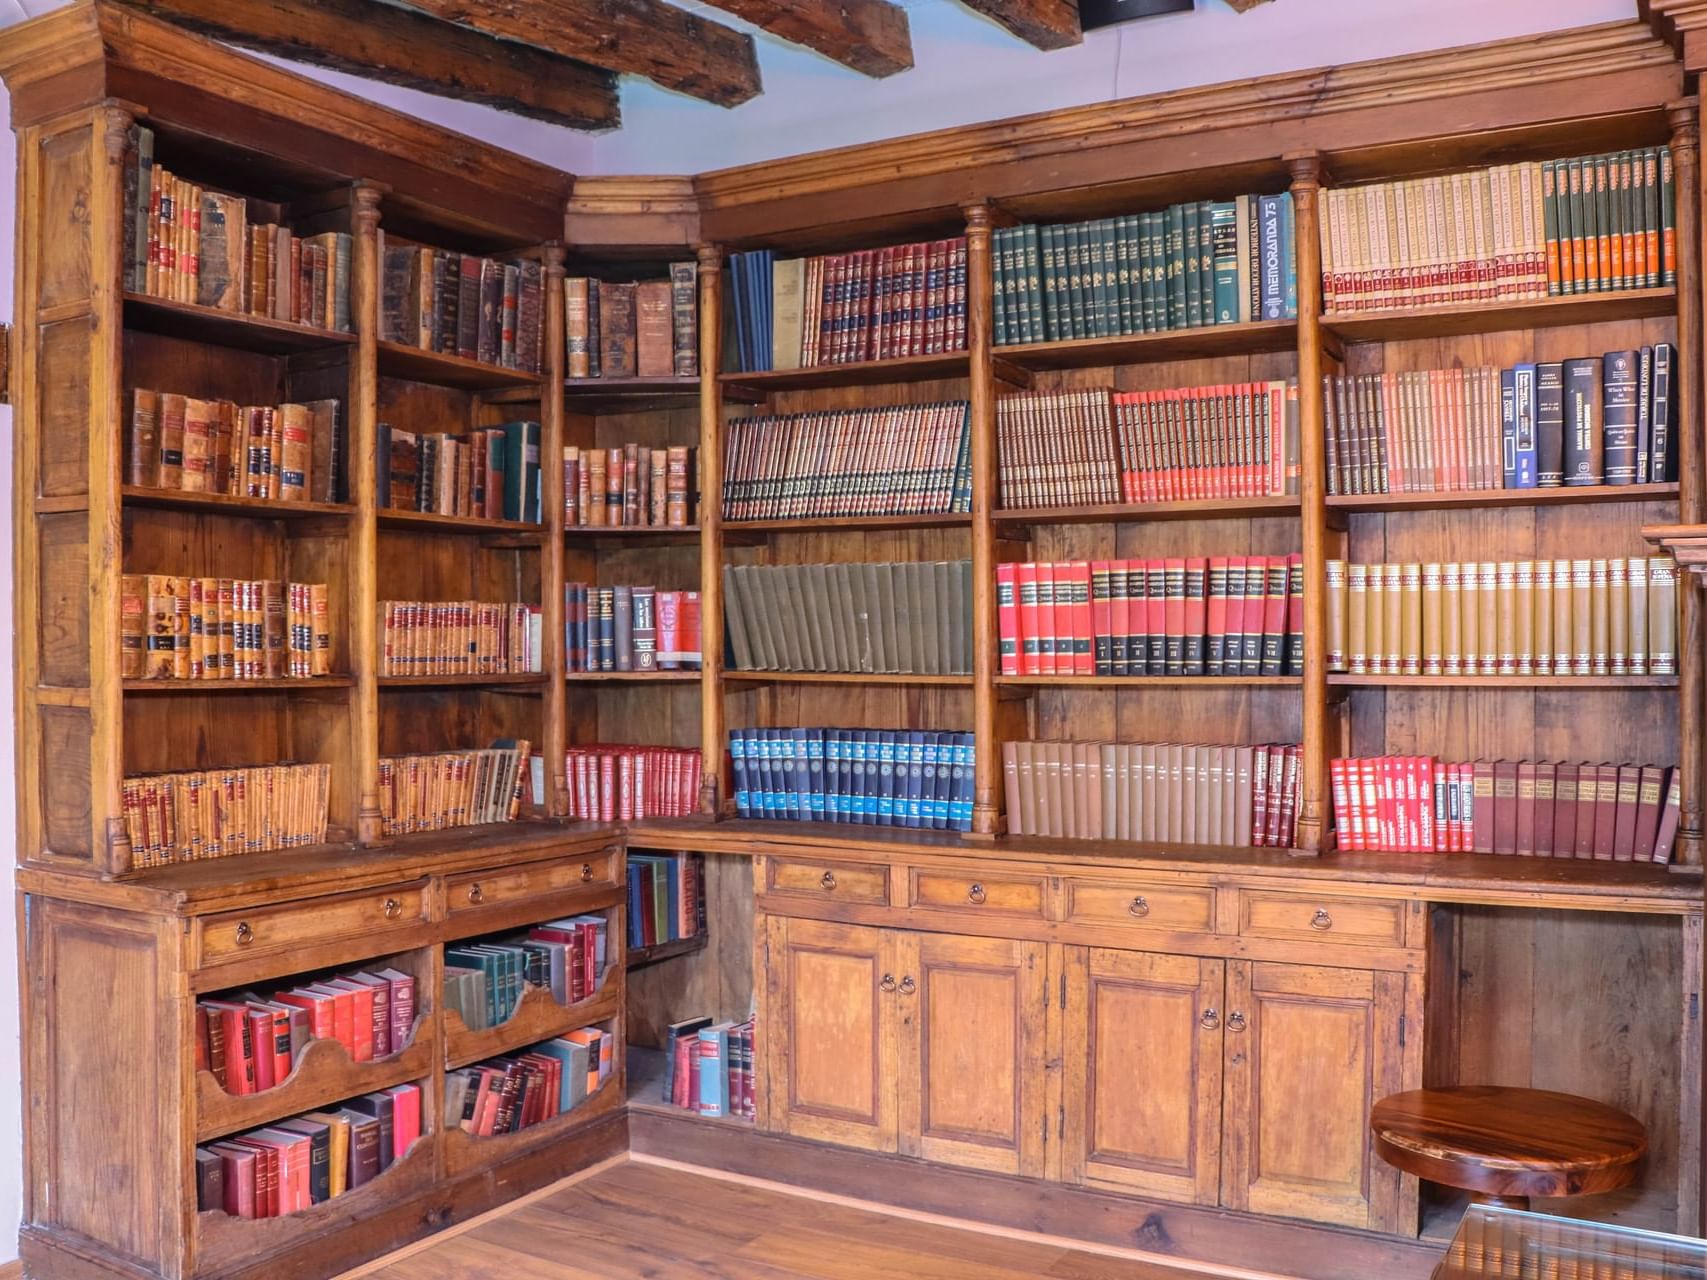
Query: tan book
1618, 618
1175, 753
577, 330
1393, 626
1600, 619
654, 325
1410, 619
1244, 764
322, 661
1523, 617
1470, 616
1150, 799
1488, 624
1357, 619
1542, 616
227, 607
296, 452
142, 442
1636, 610
1662, 616
1582, 618
172, 413
1564, 633
223, 257
788, 294
1505, 618
1433, 660
180, 594
133, 626
1336, 612
198, 637
1191, 812
1121, 827
198, 430
1451, 621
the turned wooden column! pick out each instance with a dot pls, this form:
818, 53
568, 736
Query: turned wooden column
980, 313
555, 801
714, 786
1685, 149
364, 494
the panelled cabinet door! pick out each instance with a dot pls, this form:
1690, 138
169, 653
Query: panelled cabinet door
973, 1063
1308, 1050
1142, 1054
832, 1009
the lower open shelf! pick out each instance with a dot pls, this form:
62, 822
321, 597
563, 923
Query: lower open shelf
646, 1090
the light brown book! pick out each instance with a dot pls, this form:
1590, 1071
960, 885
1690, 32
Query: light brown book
1243, 785
1600, 619
1024, 814
1662, 616
1505, 618
1433, 661
133, 626
1393, 626
1636, 615
172, 411
1523, 617
322, 662
1470, 616
223, 256
1618, 618
1564, 633
1375, 628
576, 330
1542, 615
296, 452
180, 596
1411, 619
1488, 624
654, 324
1582, 618
142, 442
788, 293
1451, 621
1335, 572
1357, 619
1148, 802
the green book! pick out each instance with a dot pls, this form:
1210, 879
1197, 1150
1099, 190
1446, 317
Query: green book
1193, 276
1603, 220
1206, 261
1562, 205
1109, 233
1050, 296
1033, 305
1000, 263
1580, 230
1550, 224
1013, 283
1077, 294
1623, 224
1651, 213
1175, 269
1668, 219
1147, 258
1096, 280
1224, 259
1124, 257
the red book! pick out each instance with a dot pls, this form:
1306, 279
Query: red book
240, 1170
1669, 815
1605, 811
361, 1017
1364, 799
1505, 806
1215, 617
1274, 614
1007, 616
1650, 799
1196, 614
1102, 617
1047, 630
405, 1118
1155, 617
1259, 796
1173, 614
1081, 626
1588, 780
1348, 834
320, 1012
1235, 615
1482, 812
1564, 842
1120, 617
1628, 781
1292, 656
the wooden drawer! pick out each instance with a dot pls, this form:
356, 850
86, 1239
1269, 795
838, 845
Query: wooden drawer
976, 893
527, 882
1141, 904
1364, 922
234, 935
866, 882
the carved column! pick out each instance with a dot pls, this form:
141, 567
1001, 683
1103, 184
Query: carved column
364, 526
1685, 150
714, 787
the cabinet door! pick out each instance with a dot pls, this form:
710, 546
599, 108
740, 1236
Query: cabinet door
1143, 1073
973, 1067
1308, 1051
831, 1028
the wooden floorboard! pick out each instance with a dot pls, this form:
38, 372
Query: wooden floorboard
637, 1221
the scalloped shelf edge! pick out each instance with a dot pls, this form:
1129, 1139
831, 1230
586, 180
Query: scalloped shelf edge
464, 1046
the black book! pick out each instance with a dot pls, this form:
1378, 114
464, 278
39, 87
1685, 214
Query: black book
1644, 410
1662, 449
380, 1106
382, 466
1583, 459
1549, 426
210, 1181
468, 307
1621, 405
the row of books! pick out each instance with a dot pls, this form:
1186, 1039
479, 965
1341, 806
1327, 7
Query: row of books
435, 791
1420, 804
461, 305
621, 783
1179, 793
648, 329
709, 1067
911, 778
1599, 617
458, 638
179, 628
484, 981
287, 452
900, 460
185, 243
842, 308
1194, 616
1589, 224
1593, 420
902, 618
629, 486
1066, 448
296, 1163
217, 813
517, 1091
251, 1042
491, 472
666, 898
1200, 263
630, 628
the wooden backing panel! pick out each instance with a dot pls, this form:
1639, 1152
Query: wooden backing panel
62, 640
64, 349
64, 736
718, 980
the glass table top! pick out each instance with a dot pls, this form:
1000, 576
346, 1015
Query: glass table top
1506, 1243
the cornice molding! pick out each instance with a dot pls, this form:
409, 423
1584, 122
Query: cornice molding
1682, 24
634, 194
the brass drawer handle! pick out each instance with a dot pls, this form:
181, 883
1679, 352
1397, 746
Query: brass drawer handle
828, 880
476, 894
975, 894
393, 908
1140, 906
1235, 1021
1210, 1020
245, 935
586, 871
908, 986
1321, 920
888, 983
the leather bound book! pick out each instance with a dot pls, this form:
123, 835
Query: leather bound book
654, 330
1505, 806
142, 442
133, 626
468, 318
1549, 425
1524, 836
1564, 842
1621, 406
172, 411
616, 330
1650, 796
1628, 783
1488, 625
489, 336
398, 309
224, 254
1433, 663
1662, 615
1582, 618
295, 452
1338, 637
576, 328
274, 640
1662, 443
1546, 789
1584, 431
1670, 812
160, 647
364, 1148
684, 307
1605, 811
1588, 782
1275, 581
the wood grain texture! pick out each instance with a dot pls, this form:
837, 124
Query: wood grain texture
1048, 24
870, 36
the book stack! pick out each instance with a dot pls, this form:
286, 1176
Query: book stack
1196, 616
708, 1067
1593, 420
185, 243
842, 308
293, 1164
1418, 804
1163, 792
460, 305
1201, 263
648, 329
666, 898
843, 462
898, 618
1593, 224
457, 638
1613, 617
1066, 448
628, 628
177, 628
871, 777
630, 486
286, 452
250, 1043
216, 813
622, 783
442, 789
518, 1091
485, 980
491, 473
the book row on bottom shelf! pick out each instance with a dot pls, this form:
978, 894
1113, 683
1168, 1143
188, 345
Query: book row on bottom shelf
708, 1067
516, 1091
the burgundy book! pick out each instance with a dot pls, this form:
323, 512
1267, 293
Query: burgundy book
1624, 820
1605, 811
1565, 811
1505, 806
1482, 807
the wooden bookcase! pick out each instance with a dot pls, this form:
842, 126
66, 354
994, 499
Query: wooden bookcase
1574, 975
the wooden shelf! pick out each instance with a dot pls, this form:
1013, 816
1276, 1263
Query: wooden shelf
399, 360
1134, 513
261, 334
1203, 342
849, 524
632, 677
134, 495
641, 957
641, 395
463, 682
1141, 682
272, 685
463, 1152
538, 1016
433, 522
1496, 317
646, 1089
1504, 682
868, 373
846, 677
1478, 498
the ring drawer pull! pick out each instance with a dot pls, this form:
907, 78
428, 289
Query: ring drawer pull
476, 894
393, 908
828, 880
1210, 1020
1321, 920
975, 894
1235, 1021
586, 871
1140, 906
245, 935
888, 983
908, 986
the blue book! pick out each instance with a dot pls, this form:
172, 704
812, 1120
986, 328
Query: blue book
779, 788
859, 790
714, 1069
738, 767
759, 771
635, 934
1508, 428
1269, 245
963, 784
912, 744
800, 775
815, 780
961, 499
871, 786
885, 779
1524, 456
1288, 257
929, 797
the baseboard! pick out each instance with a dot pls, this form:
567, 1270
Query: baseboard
1180, 1233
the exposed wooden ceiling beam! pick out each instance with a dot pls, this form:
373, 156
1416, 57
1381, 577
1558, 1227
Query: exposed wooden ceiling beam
380, 42
1244, 6
668, 46
1048, 24
867, 35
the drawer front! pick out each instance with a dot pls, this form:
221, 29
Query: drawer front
1186, 908
1368, 922
866, 882
234, 935
974, 893
506, 886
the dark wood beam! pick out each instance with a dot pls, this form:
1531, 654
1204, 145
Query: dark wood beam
1244, 6
648, 38
395, 46
868, 35
1048, 24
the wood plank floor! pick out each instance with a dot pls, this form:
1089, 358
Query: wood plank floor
636, 1221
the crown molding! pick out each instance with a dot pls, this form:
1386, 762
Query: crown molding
660, 211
